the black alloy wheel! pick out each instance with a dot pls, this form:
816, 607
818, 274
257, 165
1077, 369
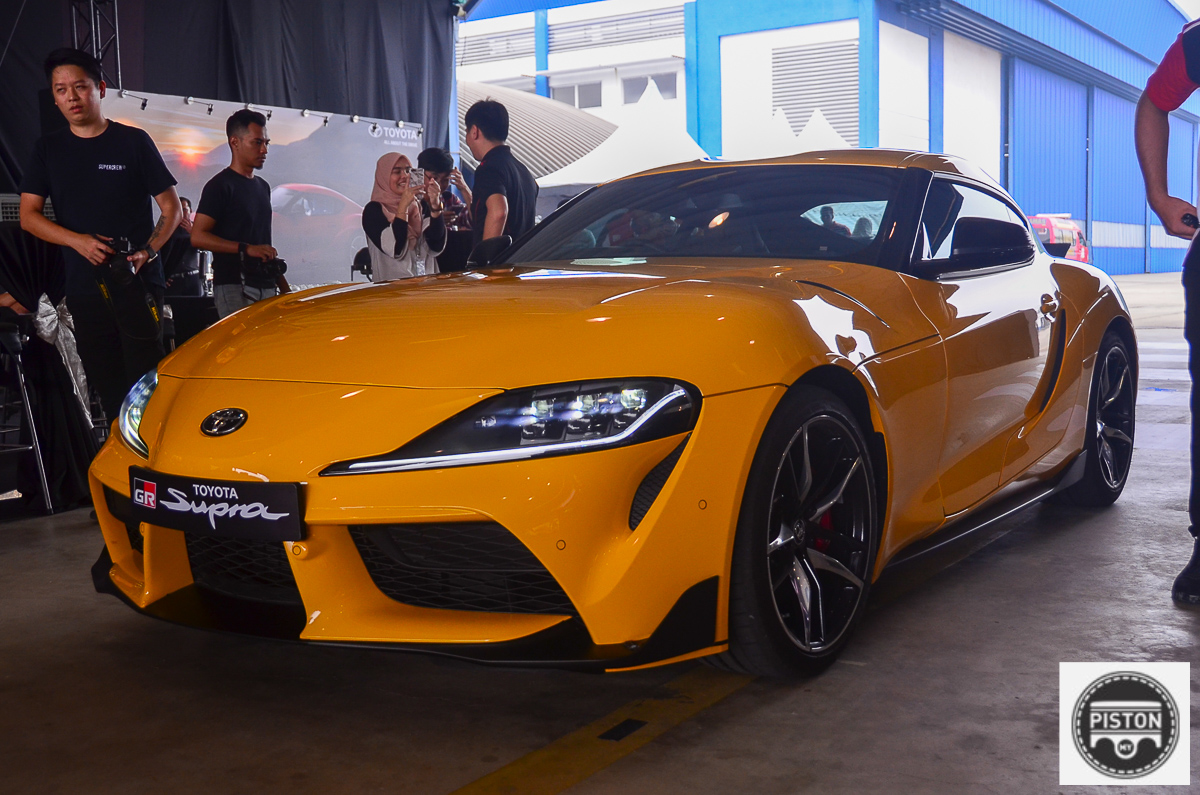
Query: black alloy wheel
1110, 426
806, 543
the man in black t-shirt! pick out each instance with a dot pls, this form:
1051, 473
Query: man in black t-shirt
100, 175
505, 194
233, 220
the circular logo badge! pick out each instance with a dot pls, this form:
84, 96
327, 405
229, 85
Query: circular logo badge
222, 422
1125, 724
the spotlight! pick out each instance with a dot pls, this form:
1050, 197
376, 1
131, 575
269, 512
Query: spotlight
145, 102
304, 113
189, 100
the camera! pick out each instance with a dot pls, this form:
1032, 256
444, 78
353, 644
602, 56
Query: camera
416, 177
263, 273
117, 266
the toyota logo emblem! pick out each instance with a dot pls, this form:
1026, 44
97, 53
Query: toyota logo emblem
222, 422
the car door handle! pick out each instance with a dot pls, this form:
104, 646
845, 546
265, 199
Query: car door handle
1049, 304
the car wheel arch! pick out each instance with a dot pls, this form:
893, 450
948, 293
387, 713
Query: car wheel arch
853, 393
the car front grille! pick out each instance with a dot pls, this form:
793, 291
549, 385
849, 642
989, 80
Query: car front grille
121, 507
254, 570
477, 566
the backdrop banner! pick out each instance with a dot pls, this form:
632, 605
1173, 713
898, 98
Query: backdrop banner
320, 166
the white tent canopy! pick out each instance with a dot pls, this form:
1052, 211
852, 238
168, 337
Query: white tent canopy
776, 139
652, 137
817, 135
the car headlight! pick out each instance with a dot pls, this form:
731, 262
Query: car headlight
544, 421
132, 408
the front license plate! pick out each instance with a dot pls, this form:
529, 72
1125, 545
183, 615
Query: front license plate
226, 508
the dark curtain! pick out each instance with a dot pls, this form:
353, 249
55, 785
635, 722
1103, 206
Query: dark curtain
28, 268
41, 28
389, 59
384, 58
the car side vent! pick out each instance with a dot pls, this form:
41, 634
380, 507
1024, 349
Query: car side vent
121, 507
652, 484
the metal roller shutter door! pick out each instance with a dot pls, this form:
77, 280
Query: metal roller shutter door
1166, 253
1048, 142
1118, 200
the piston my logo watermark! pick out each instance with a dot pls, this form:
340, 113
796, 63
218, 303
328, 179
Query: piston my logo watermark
1124, 723
145, 493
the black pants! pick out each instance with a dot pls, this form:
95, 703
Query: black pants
118, 342
1191, 331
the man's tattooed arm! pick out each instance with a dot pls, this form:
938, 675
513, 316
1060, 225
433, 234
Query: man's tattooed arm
162, 222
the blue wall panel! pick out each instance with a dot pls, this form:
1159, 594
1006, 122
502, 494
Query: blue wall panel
1145, 26
1181, 164
1119, 260
1117, 193
1167, 260
1049, 142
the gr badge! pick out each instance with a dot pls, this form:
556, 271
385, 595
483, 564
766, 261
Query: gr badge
145, 493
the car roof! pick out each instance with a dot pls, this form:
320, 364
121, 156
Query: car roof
895, 158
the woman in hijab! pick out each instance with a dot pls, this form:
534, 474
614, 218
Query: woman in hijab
394, 222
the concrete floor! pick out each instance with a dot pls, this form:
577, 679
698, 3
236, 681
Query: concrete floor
951, 685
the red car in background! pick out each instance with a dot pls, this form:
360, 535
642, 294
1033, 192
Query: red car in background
316, 230
1062, 236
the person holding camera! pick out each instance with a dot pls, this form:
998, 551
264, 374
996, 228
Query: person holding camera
440, 174
403, 221
100, 176
233, 221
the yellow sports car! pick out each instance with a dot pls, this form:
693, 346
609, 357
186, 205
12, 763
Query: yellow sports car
693, 413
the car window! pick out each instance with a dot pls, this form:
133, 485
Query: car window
946, 204
790, 211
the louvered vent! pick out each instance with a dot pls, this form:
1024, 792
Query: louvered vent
10, 208
495, 47
811, 76
626, 29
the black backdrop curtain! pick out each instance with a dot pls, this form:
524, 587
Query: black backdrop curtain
28, 268
390, 59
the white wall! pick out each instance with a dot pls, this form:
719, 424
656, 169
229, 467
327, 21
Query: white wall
972, 102
746, 104
903, 88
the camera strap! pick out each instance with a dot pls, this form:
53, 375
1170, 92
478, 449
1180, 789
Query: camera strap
135, 307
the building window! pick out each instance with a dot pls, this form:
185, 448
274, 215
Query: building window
586, 95
589, 95
634, 87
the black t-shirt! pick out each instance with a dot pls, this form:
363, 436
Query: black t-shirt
500, 172
241, 206
100, 186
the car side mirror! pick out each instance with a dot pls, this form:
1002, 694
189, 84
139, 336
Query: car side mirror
988, 242
488, 252
1057, 249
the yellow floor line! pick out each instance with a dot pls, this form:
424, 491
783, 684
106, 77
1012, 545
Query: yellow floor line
573, 758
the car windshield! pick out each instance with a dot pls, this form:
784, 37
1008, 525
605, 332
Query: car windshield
791, 211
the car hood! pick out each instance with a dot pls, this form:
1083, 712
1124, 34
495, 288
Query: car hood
721, 328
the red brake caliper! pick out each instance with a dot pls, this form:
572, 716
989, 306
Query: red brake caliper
825, 523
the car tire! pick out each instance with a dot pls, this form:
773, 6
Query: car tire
807, 536
1110, 427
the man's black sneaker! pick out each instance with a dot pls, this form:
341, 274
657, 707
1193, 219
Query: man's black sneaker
1187, 585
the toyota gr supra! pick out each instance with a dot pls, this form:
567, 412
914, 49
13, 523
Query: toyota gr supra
694, 413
